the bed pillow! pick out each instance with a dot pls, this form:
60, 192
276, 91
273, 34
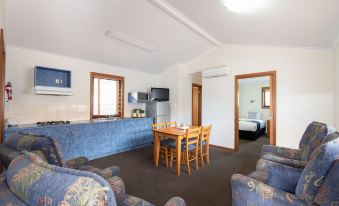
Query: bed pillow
252, 115
283, 177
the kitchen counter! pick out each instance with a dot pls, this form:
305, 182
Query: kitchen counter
93, 138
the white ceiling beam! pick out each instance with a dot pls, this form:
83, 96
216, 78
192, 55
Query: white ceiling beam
176, 14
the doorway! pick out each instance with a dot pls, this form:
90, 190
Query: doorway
196, 104
249, 118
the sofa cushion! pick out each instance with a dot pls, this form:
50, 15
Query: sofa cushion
38, 183
313, 175
283, 177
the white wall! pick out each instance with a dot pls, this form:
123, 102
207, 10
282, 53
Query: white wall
336, 95
250, 97
180, 85
28, 107
1, 14
304, 88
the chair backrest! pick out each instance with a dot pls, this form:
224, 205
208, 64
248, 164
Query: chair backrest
171, 124
330, 137
192, 136
312, 138
205, 133
45, 144
158, 126
328, 193
316, 170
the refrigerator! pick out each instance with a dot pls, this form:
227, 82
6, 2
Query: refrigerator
160, 111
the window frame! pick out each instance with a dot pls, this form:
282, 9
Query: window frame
263, 100
120, 93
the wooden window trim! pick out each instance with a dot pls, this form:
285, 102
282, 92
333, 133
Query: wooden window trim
120, 93
263, 90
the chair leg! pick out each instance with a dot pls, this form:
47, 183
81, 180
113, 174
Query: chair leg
188, 163
171, 161
166, 156
208, 153
201, 156
197, 158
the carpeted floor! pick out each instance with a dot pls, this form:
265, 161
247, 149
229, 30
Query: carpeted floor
207, 187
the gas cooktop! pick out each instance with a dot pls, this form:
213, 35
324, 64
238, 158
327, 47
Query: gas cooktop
52, 123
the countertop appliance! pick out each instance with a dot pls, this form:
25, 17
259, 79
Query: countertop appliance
137, 97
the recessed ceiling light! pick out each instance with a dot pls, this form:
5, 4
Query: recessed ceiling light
241, 6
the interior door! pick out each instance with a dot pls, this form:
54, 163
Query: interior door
196, 104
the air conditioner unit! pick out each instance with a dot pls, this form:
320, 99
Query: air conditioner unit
59, 91
216, 72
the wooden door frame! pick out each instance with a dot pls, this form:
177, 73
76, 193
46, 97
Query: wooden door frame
200, 102
2, 88
273, 106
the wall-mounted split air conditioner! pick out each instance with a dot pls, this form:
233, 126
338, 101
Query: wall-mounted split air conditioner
50, 81
216, 72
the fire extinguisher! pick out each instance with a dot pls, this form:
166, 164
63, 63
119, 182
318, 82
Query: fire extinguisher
8, 89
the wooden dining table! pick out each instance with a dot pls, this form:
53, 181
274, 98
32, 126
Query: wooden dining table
170, 133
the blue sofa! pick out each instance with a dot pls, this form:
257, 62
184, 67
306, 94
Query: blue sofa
316, 184
30, 180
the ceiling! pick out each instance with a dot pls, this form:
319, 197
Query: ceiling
301, 23
77, 28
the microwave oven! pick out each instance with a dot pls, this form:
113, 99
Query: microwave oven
135, 97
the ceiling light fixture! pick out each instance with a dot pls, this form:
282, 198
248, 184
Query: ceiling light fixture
130, 40
241, 6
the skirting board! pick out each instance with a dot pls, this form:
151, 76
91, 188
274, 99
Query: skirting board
225, 149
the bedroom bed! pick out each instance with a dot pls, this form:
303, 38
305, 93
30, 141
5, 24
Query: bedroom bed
251, 129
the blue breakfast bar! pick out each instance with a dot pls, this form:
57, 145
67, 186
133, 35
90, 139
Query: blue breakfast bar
93, 139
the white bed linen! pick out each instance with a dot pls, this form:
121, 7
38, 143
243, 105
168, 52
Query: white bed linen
250, 126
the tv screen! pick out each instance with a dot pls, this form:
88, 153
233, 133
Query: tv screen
160, 94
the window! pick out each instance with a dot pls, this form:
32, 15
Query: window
107, 95
266, 97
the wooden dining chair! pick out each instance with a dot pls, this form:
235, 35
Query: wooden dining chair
171, 124
204, 144
164, 149
190, 150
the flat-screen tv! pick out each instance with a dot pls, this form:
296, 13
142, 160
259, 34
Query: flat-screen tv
160, 94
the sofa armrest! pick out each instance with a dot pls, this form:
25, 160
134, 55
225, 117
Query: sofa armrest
264, 165
281, 152
109, 172
175, 201
118, 187
246, 190
78, 162
7, 154
286, 161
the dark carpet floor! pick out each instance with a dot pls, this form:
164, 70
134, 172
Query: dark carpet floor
210, 186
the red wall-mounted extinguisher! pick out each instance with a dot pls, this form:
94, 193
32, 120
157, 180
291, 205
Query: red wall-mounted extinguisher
8, 89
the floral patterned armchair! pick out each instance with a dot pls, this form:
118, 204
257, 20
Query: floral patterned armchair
29, 180
316, 184
49, 150
316, 134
